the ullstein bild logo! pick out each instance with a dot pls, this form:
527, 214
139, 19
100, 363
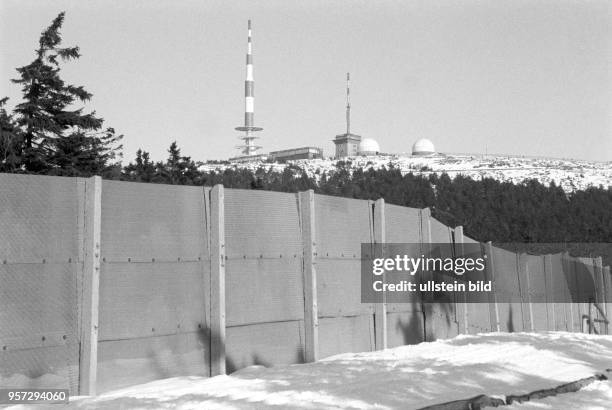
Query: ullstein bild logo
474, 273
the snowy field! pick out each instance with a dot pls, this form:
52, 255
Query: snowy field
406, 377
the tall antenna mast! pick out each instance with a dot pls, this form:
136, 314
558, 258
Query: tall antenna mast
249, 147
348, 103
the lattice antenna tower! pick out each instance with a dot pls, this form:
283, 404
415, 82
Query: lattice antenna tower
248, 147
348, 103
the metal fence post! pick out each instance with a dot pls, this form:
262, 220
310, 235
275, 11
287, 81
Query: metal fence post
458, 236
550, 293
600, 291
495, 317
306, 202
528, 293
217, 281
380, 309
88, 362
607, 279
427, 297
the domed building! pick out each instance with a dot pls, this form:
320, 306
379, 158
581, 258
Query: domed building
423, 147
368, 146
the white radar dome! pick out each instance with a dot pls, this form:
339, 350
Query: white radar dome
368, 146
423, 147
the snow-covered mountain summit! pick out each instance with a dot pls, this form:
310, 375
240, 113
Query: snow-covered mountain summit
570, 174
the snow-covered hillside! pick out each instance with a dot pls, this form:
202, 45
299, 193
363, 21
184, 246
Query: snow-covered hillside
406, 377
570, 174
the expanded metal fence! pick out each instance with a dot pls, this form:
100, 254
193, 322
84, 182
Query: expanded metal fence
105, 284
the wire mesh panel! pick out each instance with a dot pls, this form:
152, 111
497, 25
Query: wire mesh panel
440, 233
475, 317
147, 299
132, 361
264, 291
143, 222
561, 292
587, 292
345, 334
442, 314
402, 225
569, 274
41, 228
405, 321
342, 225
154, 283
507, 286
264, 344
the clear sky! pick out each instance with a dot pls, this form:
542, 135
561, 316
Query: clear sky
503, 76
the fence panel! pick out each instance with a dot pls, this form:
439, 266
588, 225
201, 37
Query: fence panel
507, 285
405, 321
154, 284
573, 308
586, 290
472, 317
342, 225
441, 310
264, 292
41, 245
560, 287
551, 300
480, 317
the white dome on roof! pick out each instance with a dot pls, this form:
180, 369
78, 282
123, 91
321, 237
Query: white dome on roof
423, 147
368, 146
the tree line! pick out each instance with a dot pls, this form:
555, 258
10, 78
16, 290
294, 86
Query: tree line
46, 134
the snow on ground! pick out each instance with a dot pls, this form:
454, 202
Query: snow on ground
406, 377
570, 174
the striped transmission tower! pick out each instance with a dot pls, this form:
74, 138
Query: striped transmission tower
249, 147
348, 103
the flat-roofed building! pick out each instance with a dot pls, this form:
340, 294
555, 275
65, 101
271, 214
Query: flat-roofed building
249, 158
347, 145
296, 153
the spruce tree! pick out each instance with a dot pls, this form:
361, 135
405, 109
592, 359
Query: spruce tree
10, 141
57, 137
180, 170
143, 170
